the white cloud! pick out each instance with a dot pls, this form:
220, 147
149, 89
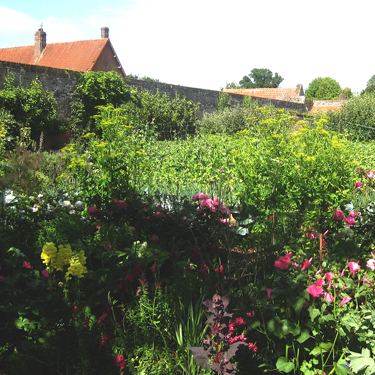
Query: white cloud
14, 21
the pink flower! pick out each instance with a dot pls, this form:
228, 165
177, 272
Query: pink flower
283, 262
354, 267
45, 273
329, 276
306, 264
320, 282
204, 203
93, 211
105, 337
315, 290
371, 264
2, 279
350, 221
155, 238
342, 272
329, 297
220, 270
251, 314
269, 291
25, 264
354, 214
358, 185
158, 284
370, 175
367, 281
345, 300
339, 215
120, 361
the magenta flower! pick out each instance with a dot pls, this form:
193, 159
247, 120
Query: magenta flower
329, 297
350, 221
320, 282
354, 214
370, 175
358, 185
339, 215
345, 300
93, 211
120, 361
269, 291
25, 264
329, 276
45, 273
371, 264
315, 290
354, 267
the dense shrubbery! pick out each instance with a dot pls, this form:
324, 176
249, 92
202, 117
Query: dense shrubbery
270, 227
30, 107
323, 89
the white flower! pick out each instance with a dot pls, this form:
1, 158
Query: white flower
78, 204
66, 203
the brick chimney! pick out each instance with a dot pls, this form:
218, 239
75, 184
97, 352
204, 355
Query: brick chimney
40, 41
105, 32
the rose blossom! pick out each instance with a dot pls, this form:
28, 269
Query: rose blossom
350, 221
339, 215
358, 185
370, 175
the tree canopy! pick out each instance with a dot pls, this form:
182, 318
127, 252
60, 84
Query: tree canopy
323, 89
261, 78
370, 88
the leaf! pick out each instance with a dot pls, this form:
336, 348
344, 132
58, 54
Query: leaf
323, 348
362, 362
305, 335
340, 367
200, 357
297, 304
283, 365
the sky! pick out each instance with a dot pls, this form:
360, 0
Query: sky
208, 43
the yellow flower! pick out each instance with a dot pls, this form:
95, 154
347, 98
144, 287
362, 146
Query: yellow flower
49, 253
76, 267
63, 257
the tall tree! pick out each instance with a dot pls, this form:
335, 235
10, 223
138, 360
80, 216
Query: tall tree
261, 78
323, 89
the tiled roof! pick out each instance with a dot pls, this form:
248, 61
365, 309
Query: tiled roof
286, 94
79, 56
327, 105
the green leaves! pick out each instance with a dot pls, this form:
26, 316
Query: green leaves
362, 362
283, 365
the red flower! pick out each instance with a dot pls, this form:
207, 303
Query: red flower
306, 264
93, 211
354, 267
120, 361
105, 337
283, 262
45, 273
339, 215
25, 264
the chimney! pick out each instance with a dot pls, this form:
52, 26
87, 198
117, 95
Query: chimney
40, 41
105, 32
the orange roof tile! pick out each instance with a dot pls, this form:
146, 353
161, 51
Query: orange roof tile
80, 55
270, 93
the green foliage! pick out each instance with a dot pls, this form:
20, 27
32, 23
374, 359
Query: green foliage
323, 89
260, 78
230, 120
370, 87
168, 118
97, 89
110, 166
30, 107
357, 118
224, 101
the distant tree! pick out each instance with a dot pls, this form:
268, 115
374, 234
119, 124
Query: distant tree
370, 88
144, 78
323, 89
261, 78
231, 85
